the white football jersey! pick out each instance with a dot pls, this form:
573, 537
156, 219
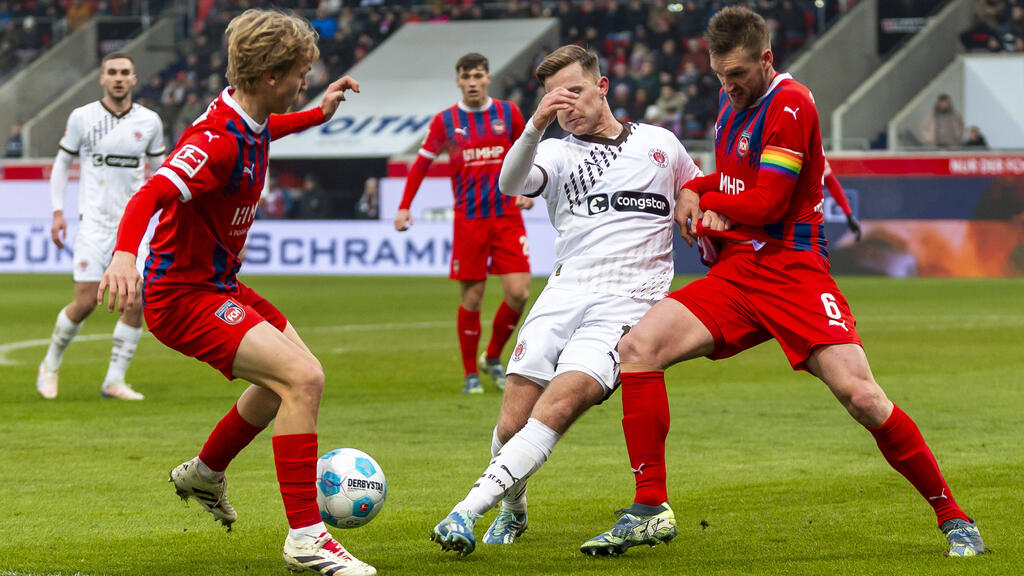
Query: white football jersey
112, 151
612, 202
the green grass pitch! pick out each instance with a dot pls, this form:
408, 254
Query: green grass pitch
767, 473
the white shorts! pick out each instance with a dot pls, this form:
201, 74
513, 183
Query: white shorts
94, 247
567, 330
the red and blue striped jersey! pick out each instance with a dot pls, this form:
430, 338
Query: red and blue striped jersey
476, 141
218, 169
769, 163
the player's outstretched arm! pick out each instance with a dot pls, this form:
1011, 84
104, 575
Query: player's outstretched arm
335, 95
122, 277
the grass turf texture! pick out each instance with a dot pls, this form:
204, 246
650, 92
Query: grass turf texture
767, 474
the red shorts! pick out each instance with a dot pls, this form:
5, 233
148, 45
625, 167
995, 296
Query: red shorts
209, 326
750, 297
482, 246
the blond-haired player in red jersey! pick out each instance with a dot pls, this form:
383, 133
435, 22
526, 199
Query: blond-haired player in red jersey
209, 189
769, 279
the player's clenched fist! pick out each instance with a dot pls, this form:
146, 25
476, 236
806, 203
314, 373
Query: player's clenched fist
551, 104
122, 277
336, 94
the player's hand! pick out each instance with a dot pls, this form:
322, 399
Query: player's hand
336, 94
524, 202
714, 221
549, 106
59, 228
123, 280
854, 225
688, 214
403, 219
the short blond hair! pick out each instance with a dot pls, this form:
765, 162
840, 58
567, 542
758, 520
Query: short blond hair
267, 41
566, 56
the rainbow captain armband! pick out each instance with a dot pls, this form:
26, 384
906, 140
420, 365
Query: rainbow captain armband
781, 161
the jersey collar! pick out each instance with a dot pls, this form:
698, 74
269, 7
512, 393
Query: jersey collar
252, 124
607, 141
487, 104
775, 82
115, 114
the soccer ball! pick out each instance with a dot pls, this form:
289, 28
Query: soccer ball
350, 488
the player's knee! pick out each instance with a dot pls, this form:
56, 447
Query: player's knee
308, 380
517, 297
632, 350
508, 426
865, 402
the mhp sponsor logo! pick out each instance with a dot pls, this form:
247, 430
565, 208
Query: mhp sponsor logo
230, 313
640, 202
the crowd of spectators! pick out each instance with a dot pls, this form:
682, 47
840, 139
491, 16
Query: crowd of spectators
998, 26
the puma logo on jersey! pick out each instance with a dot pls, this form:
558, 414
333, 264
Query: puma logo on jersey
461, 132
791, 111
250, 171
840, 323
211, 135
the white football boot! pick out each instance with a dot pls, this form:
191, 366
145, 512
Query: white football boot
325, 555
188, 483
46, 382
120, 391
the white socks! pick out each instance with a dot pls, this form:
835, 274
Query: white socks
63, 333
515, 499
126, 340
523, 455
307, 533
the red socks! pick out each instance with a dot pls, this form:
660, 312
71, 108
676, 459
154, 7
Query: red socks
295, 458
505, 320
905, 449
645, 422
469, 338
228, 438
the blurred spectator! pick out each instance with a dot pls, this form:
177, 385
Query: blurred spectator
975, 139
276, 202
309, 202
325, 24
647, 79
367, 207
79, 12
985, 27
191, 109
14, 147
943, 127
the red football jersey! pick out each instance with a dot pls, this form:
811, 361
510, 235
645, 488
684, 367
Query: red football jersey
476, 141
769, 164
218, 168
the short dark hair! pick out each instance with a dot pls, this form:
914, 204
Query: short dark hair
736, 26
117, 55
471, 61
566, 56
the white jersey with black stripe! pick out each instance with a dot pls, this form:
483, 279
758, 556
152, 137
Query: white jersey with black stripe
613, 203
112, 151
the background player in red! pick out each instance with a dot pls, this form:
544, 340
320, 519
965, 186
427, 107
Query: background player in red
489, 236
835, 189
209, 189
771, 280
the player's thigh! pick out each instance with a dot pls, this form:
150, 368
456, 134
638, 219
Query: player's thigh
469, 249
268, 358
798, 301
566, 398
725, 311
551, 322
669, 333
516, 287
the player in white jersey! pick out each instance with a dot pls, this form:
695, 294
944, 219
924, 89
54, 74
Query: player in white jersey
113, 138
610, 189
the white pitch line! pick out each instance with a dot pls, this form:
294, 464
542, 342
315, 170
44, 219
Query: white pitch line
5, 349
15, 573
